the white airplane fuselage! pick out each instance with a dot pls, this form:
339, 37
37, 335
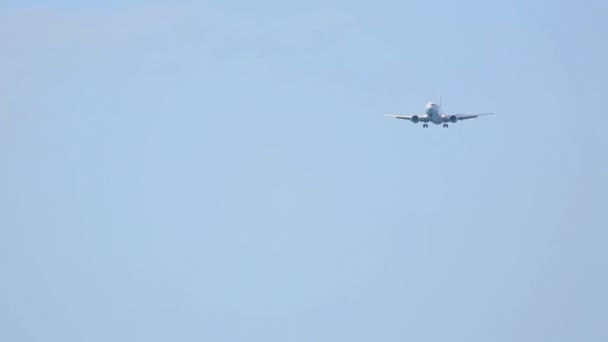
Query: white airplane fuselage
434, 112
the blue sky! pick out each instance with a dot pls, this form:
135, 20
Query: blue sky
221, 171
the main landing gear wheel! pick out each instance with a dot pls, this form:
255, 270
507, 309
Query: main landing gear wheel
425, 125
445, 125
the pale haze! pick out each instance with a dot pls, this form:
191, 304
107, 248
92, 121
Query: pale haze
221, 171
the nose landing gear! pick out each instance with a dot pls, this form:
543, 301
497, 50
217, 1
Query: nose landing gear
425, 125
445, 125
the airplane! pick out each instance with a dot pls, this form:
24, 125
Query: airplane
434, 114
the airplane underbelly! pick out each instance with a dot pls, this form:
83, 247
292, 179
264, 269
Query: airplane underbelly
434, 116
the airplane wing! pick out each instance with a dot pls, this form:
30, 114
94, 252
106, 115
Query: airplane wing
469, 116
422, 117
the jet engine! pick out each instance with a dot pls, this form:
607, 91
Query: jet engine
453, 118
415, 119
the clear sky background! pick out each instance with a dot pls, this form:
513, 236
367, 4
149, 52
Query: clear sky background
221, 171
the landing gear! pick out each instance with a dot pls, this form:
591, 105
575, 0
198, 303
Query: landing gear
425, 125
445, 125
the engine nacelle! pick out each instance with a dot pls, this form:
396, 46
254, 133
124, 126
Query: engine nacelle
415, 119
453, 118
